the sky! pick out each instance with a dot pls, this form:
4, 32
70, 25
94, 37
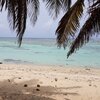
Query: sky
44, 28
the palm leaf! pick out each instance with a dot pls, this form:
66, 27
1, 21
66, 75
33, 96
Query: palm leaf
21, 20
54, 7
17, 14
11, 7
33, 10
2, 2
69, 23
66, 4
90, 28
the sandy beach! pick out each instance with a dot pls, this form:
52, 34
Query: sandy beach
31, 82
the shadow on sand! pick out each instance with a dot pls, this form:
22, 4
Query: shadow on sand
12, 90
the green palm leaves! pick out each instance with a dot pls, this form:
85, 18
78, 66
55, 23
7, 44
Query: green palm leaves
55, 6
69, 23
90, 28
19, 10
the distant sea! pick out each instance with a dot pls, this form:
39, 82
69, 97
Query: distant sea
46, 52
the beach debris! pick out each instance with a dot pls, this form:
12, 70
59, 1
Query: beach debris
8, 80
88, 69
25, 85
1, 63
90, 85
66, 77
37, 89
19, 78
38, 85
56, 79
66, 94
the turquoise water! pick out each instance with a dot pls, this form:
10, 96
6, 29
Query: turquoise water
45, 51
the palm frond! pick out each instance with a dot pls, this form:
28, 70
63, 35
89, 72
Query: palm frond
95, 4
2, 2
69, 23
17, 14
54, 7
90, 28
21, 22
33, 10
66, 4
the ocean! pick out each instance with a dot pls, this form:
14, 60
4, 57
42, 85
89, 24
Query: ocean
46, 52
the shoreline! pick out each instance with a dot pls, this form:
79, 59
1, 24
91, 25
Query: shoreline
50, 65
36, 82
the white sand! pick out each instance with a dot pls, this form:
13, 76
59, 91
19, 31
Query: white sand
19, 82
